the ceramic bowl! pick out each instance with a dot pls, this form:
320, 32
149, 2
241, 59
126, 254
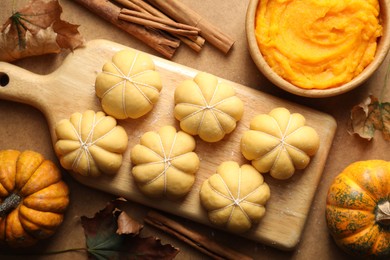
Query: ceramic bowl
382, 50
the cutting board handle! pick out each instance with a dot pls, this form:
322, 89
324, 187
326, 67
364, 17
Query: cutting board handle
20, 85
71, 82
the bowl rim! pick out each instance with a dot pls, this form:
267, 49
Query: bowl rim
262, 65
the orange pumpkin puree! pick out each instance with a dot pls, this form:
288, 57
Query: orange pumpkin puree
318, 44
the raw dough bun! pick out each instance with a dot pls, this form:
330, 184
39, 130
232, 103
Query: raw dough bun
129, 86
90, 143
279, 143
207, 108
235, 196
165, 163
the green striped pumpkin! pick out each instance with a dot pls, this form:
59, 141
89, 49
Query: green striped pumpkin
358, 208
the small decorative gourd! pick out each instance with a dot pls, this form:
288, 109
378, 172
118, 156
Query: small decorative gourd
164, 163
129, 85
358, 209
33, 198
90, 143
207, 108
279, 143
235, 196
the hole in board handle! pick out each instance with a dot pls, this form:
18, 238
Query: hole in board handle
4, 79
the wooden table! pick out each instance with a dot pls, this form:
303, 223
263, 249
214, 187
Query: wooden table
23, 127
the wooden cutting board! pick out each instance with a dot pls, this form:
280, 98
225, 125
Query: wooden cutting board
71, 89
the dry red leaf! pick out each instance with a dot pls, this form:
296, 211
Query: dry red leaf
369, 116
112, 234
127, 225
37, 29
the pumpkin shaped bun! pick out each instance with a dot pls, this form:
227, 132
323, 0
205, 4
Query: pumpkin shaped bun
235, 196
206, 107
33, 198
90, 143
164, 163
279, 143
129, 85
358, 209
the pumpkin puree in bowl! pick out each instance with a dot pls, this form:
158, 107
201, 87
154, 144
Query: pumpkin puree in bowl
318, 44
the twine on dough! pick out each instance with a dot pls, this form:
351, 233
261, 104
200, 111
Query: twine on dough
211, 108
282, 143
128, 78
166, 160
84, 145
235, 201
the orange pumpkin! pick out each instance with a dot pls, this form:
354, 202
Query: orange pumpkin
358, 208
33, 198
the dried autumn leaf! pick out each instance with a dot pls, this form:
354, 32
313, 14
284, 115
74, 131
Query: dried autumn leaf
369, 116
112, 234
127, 225
37, 29
100, 233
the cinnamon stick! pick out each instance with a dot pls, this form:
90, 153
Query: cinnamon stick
183, 14
159, 41
195, 44
193, 238
162, 20
158, 23
130, 5
138, 5
147, 7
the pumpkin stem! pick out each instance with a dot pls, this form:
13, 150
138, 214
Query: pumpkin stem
10, 203
383, 213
